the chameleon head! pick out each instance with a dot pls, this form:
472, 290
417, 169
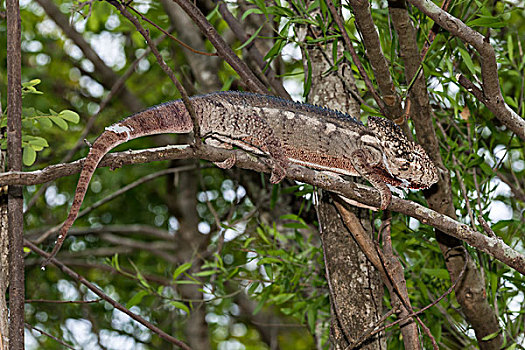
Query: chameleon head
406, 162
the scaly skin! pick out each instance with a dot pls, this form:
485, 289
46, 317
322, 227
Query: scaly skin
285, 131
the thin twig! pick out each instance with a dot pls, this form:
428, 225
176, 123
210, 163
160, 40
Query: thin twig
105, 297
183, 44
355, 58
63, 301
63, 343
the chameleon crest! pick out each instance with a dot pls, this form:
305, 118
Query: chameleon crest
285, 131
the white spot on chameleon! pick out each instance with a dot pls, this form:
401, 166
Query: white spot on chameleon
288, 115
119, 129
369, 139
330, 128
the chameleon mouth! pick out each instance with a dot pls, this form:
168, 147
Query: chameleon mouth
389, 179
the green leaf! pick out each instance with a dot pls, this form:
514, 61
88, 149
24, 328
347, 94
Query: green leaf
31, 83
439, 273
247, 42
45, 122
261, 234
37, 141
492, 22
282, 298
136, 299
250, 11
29, 156
268, 260
491, 336
467, 60
181, 269
510, 47
180, 306
311, 313
70, 116
205, 273
60, 122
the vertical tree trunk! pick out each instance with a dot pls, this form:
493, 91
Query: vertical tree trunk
4, 260
356, 289
15, 200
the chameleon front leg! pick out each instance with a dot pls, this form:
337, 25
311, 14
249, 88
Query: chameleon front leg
363, 162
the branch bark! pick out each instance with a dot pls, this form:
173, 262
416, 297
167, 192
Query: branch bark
378, 62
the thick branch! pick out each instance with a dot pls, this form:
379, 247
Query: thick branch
489, 69
363, 194
378, 62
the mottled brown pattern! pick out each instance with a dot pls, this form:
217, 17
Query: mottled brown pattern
286, 131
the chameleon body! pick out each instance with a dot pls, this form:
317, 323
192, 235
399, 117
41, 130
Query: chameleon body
285, 131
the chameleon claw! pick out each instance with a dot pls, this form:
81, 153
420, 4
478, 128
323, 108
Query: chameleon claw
228, 163
386, 199
278, 174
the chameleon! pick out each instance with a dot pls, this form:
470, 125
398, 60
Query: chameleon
285, 131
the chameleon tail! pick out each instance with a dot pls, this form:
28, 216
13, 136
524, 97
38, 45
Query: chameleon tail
101, 146
170, 117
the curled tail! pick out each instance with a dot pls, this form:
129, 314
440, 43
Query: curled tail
170, 117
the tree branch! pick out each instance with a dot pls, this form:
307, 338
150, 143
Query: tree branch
363, 194
224, 51
378, 62
489, 69
348, 44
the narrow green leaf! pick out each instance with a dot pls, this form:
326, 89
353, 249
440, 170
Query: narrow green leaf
268, 260
510, 47
136, 299
247, 42
261, 234
467, 60
250, 11
491, 336
181, 269
180, 306
205, 273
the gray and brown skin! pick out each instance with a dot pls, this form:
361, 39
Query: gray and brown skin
287, 132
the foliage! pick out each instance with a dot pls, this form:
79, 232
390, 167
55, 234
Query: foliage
252, 248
